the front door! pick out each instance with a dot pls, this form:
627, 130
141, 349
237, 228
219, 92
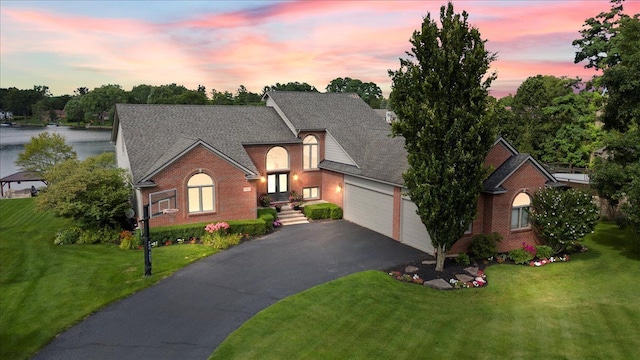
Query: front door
278, 186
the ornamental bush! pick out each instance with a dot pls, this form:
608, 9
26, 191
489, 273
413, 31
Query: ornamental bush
561, 217
543, 252
520, 256
484, 246
323, 211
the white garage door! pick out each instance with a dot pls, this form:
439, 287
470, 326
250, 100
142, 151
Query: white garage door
369, 204
412, 230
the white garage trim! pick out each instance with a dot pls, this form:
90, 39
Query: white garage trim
412, 230
369, 204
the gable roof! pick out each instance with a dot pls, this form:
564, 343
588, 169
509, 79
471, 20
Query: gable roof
157, 135
493, 184
347, 117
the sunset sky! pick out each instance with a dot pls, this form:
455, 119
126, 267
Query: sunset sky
225, 44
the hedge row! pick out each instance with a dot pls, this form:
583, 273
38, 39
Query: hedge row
255, 227
323, 211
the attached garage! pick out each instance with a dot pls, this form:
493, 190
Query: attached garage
369, 204
412, 230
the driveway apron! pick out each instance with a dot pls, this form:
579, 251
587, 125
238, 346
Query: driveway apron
187, 315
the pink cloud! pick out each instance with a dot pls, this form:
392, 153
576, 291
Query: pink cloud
312, 41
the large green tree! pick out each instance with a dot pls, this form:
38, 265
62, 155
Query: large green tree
440, 94
290, 86
368, 91
93, 192
44, 151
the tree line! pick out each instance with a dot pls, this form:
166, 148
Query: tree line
97, 105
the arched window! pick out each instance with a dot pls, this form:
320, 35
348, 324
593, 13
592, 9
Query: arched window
201, 193
277, 159
520, 211
310, 153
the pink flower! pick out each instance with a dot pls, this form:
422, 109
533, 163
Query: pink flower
217, 226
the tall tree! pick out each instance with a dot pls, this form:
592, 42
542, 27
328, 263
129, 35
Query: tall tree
597, 45
441, 101
99, 103
622, 80
368, 91
290, 86
246, 97
221, 98
43, 152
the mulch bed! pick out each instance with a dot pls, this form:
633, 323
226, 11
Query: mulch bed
428, 272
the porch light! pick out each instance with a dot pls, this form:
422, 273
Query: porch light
339, 188
263, 179
295, 177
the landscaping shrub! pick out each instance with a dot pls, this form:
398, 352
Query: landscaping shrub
67, 236
543, 252
561, 217
520, 256
323, 211
128, 240
255, 227
221, 241
99, 236
484, 246
463, 259
268, 215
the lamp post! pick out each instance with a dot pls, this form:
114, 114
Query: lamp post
145, 241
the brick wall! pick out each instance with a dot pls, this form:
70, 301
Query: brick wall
497, 155
494, 212
330, 182
235, 197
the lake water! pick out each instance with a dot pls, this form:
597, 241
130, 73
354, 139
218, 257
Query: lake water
85, 142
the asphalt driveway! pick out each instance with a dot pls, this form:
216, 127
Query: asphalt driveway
187, 315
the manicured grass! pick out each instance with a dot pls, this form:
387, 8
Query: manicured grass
45, 288
588, 308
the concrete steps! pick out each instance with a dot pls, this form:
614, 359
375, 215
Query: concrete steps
288, 216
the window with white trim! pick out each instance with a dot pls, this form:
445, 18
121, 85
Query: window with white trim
201, 193
520, 211
311, 193
310, 153
277, 159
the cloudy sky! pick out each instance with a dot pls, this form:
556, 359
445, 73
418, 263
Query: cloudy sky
224, 44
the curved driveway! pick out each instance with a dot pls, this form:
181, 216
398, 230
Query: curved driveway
187, 315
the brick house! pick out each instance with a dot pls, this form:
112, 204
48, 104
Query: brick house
213, 162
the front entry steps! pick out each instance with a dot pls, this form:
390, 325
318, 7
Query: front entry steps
288, 216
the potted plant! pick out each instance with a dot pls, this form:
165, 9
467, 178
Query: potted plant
265, 200
278, 207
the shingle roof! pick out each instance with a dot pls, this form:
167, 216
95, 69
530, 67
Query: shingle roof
493, 184
156, 134
344, 115
355, 126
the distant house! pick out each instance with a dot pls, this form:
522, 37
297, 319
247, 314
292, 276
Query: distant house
213, 162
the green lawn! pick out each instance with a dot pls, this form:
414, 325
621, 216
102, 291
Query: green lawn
45, 288
588, 308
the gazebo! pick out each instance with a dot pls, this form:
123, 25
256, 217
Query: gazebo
22, 176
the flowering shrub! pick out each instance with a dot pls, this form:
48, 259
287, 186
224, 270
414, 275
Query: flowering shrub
211, 228
215, 235
561, 217
277, 223
530, 249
